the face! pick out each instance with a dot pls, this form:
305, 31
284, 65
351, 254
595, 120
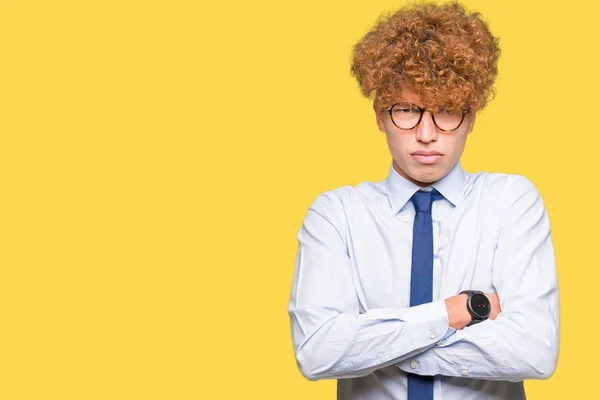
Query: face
424, 154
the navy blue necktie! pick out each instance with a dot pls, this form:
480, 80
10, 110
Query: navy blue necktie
421, 277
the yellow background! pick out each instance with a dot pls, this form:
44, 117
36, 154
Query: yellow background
157, 159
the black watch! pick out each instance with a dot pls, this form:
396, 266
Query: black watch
478, 305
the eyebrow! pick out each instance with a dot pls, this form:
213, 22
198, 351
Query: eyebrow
407, 103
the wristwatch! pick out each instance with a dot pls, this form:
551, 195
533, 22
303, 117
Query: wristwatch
478, 305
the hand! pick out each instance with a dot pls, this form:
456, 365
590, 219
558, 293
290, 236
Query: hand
458, 314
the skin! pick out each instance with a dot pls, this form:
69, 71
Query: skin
426, 137
458, 315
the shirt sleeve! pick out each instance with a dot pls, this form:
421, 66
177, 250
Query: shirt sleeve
331, 337
522, 342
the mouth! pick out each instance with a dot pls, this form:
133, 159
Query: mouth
426, 157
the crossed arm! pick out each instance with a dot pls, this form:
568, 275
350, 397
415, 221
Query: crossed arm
333, 340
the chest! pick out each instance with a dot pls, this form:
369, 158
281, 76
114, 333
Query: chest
380, 252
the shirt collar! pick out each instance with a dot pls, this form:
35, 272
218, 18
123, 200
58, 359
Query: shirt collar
400, 189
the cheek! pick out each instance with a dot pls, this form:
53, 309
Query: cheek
454, 145
397, 150
397, 142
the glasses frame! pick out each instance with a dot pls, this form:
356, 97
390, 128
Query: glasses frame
422, 111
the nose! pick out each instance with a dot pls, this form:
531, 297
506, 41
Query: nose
426, 130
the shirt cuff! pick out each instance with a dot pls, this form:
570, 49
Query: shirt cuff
427, 323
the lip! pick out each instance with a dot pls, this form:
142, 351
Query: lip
426, 153
426, 157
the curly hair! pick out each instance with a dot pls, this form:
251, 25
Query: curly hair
441, 53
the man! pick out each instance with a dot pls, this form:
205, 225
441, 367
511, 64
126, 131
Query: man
435, 283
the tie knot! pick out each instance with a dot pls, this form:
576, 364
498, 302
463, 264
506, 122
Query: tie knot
423, 200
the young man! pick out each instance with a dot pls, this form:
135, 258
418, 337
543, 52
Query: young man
435, 283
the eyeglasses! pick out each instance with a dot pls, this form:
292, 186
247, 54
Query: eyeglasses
406, 116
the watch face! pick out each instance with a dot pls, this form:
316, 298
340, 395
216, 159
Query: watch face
480, 305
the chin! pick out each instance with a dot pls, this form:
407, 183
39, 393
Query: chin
427, 181
423, 174
426, 178
431, 173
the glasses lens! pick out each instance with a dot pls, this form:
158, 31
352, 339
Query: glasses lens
405, 116
448, 120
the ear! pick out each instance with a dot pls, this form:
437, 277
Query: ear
379, 116
472, 116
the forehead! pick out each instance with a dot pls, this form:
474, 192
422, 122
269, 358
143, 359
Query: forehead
407, 97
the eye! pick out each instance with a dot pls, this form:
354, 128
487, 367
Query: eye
404, 108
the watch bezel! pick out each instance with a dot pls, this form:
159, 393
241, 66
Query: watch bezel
472, 309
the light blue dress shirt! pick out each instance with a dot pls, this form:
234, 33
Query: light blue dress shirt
349, 303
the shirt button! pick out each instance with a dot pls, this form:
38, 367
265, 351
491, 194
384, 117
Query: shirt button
464, 372
413, 364
432, 334
382, 356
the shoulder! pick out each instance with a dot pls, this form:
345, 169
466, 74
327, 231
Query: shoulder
505, 194
501, 184
346, 195
338, 201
